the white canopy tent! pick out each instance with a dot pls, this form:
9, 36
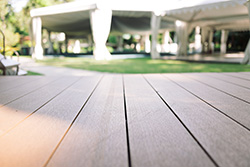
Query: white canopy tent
79, 19
225, 15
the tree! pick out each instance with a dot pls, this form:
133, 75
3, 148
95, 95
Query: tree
16, 25
7, 20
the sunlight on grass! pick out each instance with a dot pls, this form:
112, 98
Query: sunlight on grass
142, 65
33, 73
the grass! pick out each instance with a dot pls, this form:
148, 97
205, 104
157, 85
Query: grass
33, 73
143, 65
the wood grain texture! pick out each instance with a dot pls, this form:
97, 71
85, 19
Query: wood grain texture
98, 137
229, 105
156, 136
240, 75
17, 92
31, 142
246, 73
231, 79
18, 110
9, 82
226, 141
229, 88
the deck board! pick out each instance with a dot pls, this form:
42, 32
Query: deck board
14, 112
239, 75
9, 83
150, 124
224, 140
237, 110
99, 132
46, 127
132, 120
231, 79
22, 90
234, 90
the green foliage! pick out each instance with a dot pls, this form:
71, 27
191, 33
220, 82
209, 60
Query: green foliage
7, 20
110, 49
11, 38
112, 39
143, 65
160, 38
15, 25
192, 36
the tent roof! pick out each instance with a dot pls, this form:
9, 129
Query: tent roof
73, 18
134, 16
217, 14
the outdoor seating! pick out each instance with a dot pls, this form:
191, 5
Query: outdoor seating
9, 66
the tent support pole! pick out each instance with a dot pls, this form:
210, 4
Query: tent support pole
246, 59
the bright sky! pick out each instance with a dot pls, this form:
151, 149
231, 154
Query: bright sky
18, 4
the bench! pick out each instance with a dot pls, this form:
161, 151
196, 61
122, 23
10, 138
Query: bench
7, 65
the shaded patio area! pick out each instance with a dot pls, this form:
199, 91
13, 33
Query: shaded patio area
125, 120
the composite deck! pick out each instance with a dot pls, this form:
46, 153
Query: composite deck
126, 120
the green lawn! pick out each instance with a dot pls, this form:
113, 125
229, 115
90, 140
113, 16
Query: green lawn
142, 65
33, 73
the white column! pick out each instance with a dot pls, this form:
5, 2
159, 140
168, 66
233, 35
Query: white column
142, 42
50, 49
155, 26
197, 37
138, 47
66, 42
37, 36
77, 47
147, 43
100, 20
90, 43
166, 40
182, 31
246, 59
210, 41
119, 44
223, 45
204, 39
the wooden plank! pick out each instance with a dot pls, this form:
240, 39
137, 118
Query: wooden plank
237, 110
246, 73
156, 136
14, 112
226, 141
98, 136
231, 79
32, 141
234, 90
239, 75
10, 82
17, 92
10, 78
